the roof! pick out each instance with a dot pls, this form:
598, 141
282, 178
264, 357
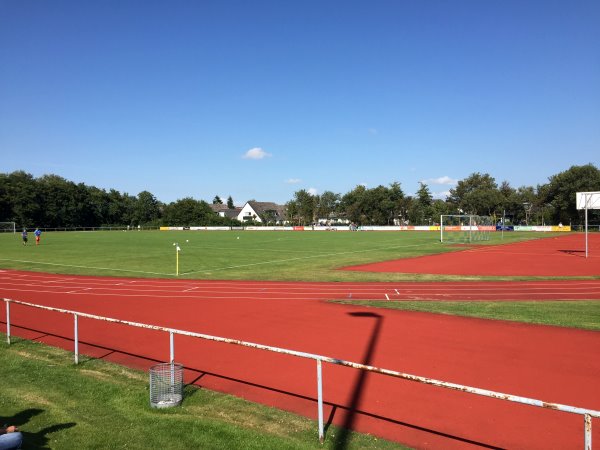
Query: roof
262, 207
222, 209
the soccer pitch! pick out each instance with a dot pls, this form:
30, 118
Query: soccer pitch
256, 255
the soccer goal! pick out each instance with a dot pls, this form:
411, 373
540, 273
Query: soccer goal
464, 229
8, 227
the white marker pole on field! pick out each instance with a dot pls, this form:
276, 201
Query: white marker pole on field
177, 250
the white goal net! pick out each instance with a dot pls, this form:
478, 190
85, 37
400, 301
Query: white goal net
464, 229
8, 227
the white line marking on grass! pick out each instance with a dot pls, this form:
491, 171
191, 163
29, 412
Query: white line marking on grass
298, 259
86, 267
261, 249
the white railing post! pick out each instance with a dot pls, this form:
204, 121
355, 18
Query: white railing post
171, 348
320, 400
588, 431
76, 338
172, 359
7, 322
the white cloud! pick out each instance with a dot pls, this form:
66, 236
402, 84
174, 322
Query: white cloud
440, 195
256, 153
441, 180
313, 191
293, 180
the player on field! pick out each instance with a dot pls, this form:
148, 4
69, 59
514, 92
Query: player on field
24, 236
37, 234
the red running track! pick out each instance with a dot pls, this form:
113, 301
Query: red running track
546, 363
556, 256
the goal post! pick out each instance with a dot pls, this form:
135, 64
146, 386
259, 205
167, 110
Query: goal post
8, 227
465, 228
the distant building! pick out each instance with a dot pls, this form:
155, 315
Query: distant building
224, 211
263, 212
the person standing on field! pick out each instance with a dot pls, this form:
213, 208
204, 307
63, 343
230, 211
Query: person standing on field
24, 236
37, 234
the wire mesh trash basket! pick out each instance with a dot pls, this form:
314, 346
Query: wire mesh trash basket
166, 385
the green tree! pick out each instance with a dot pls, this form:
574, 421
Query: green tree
230, 204
397, 199
22, 191
188, 212
352, 203
291, 208
217, 200
421, 211
147, 209
327, 205
560, 192
377, 206
116, 209
5, 201
305, 203
476, 194
439, 208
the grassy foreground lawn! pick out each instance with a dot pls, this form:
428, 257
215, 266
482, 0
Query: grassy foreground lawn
572, 314
257, 255
98, 405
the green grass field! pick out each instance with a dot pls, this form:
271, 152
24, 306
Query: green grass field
570, 314
256, 255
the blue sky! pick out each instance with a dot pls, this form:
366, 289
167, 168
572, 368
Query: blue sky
260, 99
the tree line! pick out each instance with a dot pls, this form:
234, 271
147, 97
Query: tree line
478, 194
51, 201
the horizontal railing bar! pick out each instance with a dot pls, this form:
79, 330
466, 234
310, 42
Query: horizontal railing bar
341, 362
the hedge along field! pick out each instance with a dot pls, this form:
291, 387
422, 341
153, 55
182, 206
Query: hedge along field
249, 255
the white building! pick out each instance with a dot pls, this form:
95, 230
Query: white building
263, 212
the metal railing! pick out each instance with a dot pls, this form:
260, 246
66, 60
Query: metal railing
586, 413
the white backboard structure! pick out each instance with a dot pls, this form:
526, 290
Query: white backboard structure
588, 200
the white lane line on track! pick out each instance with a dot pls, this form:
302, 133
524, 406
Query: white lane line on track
235, 285
88, 267
226, 296
321, 290
78, 291
303, 285
320, 285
